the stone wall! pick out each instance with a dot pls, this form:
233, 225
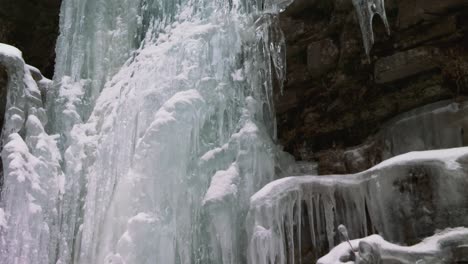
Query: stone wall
32, 27
335, 98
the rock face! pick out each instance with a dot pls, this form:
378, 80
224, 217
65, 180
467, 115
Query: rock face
31, 26
335, 100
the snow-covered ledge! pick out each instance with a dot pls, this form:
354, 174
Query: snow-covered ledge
444, 247
404, 199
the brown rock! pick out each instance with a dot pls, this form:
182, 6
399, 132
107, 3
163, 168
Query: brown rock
460, 254
404, 64
321, 57
443, 27
416, 11
298, 6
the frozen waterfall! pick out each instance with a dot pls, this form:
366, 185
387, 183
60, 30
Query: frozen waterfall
157, 128
155, 142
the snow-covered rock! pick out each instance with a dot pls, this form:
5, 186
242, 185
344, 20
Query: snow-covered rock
445, 246
404, 199
31, 165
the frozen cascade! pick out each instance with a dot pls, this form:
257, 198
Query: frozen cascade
165, 127
296, 213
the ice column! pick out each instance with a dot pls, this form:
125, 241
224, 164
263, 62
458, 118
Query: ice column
366, 10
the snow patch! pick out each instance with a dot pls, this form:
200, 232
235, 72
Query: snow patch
223, 184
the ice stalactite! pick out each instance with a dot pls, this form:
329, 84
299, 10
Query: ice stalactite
366, 10
33, 182
296, 213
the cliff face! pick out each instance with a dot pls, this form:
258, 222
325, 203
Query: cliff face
31, 26
335, 99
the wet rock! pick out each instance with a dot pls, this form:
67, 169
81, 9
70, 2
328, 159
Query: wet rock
439, 29
405, 133
321, 57
404, 64
460, 254
417, 11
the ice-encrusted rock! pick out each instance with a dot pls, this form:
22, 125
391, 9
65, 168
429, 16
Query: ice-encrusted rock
441, 248
31, 164
404, 199
404, 64
434, 126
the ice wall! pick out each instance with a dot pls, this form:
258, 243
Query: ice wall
404, 199
165, 121
447, 121
435, 126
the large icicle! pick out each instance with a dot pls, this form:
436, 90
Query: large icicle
380, 200
366, 10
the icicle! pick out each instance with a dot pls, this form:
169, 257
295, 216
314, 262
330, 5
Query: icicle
366, 10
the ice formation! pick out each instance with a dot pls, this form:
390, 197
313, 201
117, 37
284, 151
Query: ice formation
366, 10
33, 181
158, 127
408, 131
438, 249
288, 213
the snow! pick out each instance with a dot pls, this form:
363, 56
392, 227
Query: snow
223, 184
31, 164
10, 51
448, 156
3, 221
